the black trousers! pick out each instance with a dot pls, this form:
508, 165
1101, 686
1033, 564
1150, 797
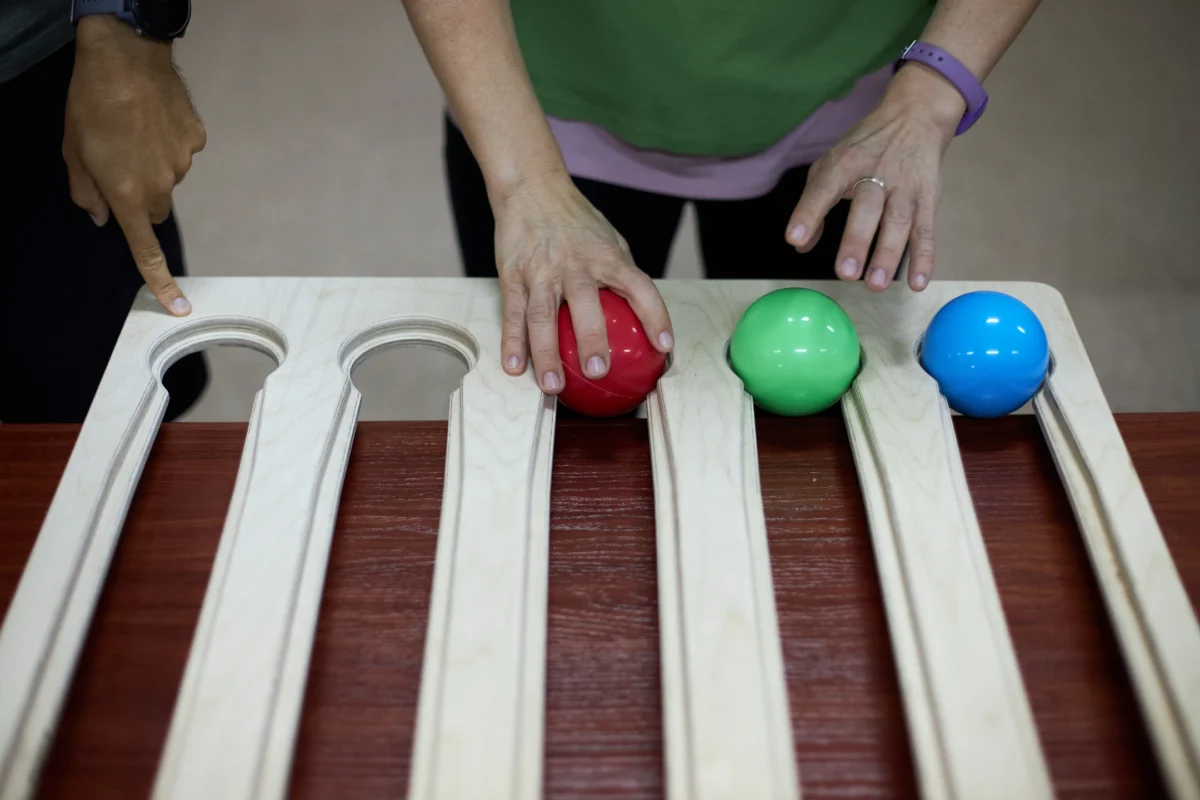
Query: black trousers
738, 238
67, 285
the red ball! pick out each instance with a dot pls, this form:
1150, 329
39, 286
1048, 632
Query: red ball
634, 364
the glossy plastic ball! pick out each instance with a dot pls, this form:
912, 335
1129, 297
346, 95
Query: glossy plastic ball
796, 351
988, 352
634, 364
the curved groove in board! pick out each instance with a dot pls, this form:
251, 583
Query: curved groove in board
187, 696
1152, 617
464, 748
678, 748
776, 701
424, 331
891, 417
49, 615
930, 756
712, 761
1162, 688
284, 723
429, 703
40, 642
527, 780
192, 337
993, 610
239, 747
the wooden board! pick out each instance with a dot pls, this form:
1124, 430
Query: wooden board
480, 723
603, 733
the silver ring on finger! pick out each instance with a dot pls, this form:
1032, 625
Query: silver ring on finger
875, 181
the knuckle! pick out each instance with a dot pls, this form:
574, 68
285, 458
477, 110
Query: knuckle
619, 270
605, 256
898, 214
514, 326
512, 342
836, 155
923, 249
887, 254
512, 285
164, 181
540, 312
545, 355
129, 190
151, 259
623, 243
579, 285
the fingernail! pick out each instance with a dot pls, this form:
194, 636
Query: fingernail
551, 382
595, 366
797, 233
849, 268
181, 306
512, 362
877, 277
919, 280
99, 219
666, 340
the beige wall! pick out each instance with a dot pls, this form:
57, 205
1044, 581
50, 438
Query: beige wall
324, 158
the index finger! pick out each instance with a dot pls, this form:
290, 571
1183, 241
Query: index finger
823, 190
151, 262
643, 297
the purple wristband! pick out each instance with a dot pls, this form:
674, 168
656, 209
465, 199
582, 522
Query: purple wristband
952, 70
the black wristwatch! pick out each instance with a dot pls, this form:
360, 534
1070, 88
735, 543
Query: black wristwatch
161, 20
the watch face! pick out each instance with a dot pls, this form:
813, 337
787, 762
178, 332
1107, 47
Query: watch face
162, 19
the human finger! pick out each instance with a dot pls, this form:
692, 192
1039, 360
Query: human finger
587, 318
893, 236
151, 262
84, 192
920, 245
647, 303
824, 188
160, 209
541, 316
513, 344
866, 209
813, 240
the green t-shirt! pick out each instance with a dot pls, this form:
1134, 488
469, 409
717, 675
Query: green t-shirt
706, 77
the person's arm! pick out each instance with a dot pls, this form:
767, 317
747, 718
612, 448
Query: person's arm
131, 132
472, 49
551, 244
977, 32
902, 143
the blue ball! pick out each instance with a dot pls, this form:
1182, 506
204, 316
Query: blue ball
988, 352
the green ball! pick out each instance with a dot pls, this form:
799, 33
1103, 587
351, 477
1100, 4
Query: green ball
796, 351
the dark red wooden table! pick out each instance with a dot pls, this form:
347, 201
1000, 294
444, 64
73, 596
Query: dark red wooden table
603, 721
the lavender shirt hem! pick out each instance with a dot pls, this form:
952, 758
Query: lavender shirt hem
592, 152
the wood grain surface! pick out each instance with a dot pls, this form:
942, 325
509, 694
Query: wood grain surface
603, 720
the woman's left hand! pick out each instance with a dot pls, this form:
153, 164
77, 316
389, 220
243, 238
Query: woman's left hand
901, 145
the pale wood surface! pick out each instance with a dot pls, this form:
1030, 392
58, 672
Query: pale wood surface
1146, 600
233, 731
725, 706
479, 726
971, 727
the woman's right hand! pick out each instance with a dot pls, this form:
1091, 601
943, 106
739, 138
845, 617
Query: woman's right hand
553, 245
